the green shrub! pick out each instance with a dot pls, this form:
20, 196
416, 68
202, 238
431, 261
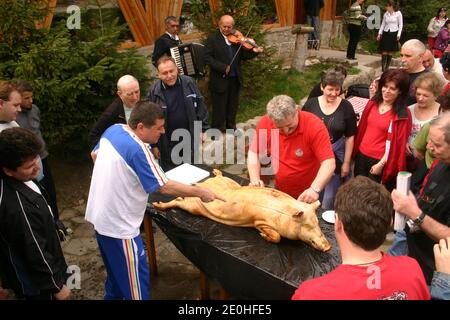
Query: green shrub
74, 73
248, 19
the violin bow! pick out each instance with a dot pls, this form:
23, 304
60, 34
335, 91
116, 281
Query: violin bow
237, 51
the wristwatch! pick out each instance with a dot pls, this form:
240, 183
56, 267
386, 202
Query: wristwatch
316, 190
419, 220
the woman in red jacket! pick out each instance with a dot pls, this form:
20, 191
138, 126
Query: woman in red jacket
380, 143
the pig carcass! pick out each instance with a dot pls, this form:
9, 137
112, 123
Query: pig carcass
272, 212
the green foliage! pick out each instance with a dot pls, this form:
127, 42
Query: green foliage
292, 83
416, 15
73, 72
247, 19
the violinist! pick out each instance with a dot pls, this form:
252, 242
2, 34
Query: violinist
225, 48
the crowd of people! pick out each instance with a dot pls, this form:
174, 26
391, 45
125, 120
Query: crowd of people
318, 152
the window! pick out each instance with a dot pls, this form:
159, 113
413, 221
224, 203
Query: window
268, 10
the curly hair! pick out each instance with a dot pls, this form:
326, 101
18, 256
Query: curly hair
18, 145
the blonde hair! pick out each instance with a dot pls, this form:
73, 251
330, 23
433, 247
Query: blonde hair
430, 82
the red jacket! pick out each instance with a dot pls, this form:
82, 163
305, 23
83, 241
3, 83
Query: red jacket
401, 128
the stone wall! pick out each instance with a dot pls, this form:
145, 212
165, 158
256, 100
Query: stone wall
283, 41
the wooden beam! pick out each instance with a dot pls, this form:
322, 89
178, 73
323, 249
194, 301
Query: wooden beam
286, 12
135, 16
46, 22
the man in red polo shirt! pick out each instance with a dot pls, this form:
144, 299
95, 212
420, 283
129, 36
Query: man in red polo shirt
300, 149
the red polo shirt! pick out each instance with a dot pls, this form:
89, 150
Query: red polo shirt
296, 158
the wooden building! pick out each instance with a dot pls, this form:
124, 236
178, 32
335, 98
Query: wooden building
145, 18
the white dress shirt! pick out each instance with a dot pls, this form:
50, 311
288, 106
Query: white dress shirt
392, 22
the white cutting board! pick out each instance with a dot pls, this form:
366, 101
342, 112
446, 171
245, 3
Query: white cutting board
187, 173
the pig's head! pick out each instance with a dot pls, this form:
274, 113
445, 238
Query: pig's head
306, 226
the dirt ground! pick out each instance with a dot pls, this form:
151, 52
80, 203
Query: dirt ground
177, 278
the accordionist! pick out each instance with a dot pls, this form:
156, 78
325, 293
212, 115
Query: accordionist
168, 40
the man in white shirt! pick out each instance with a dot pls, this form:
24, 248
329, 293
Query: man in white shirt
10, 101
125, 172
432, 64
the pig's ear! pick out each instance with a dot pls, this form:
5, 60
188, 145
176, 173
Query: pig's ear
315, 204
298, 214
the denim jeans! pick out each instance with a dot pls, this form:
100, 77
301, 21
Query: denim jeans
400, 246
440, 286
314, 22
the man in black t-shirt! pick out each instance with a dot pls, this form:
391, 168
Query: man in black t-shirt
412, 52
430, 213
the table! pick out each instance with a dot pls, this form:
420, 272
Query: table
245, 265
358, 104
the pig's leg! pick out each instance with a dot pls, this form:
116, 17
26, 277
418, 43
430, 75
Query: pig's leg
167, 205
268, 233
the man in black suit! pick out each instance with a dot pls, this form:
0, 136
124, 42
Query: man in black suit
119, 110
225, 79
168, 40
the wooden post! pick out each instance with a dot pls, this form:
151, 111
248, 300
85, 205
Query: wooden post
301, 46
47, 20
204, 286
150, 244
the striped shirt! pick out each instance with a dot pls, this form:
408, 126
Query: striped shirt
125, 172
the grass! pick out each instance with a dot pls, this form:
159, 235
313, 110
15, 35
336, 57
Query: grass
292, 83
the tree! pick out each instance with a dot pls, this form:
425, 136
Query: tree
73, 72
248, 19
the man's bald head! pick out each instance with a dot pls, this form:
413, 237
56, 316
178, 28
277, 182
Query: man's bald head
226, 24
128, 90
428, 59
412, 52
416, 45
124, 80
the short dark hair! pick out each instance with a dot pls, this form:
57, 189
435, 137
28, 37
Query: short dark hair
145, 112
18, 145
170, 18
365, 209
393, 4
332, 78
24, 86
163, 59
401, 79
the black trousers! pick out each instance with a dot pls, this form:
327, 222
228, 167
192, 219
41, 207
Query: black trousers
355, 33
225, 105
49, 185
363, 164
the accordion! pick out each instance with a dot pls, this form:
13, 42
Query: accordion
189, 59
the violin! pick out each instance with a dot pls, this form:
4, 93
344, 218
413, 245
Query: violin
236, 37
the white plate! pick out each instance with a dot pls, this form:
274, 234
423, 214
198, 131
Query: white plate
187, 173
328, 216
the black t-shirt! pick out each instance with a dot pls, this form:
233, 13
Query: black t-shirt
176, 116
435, 202
342, 122
412, 88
